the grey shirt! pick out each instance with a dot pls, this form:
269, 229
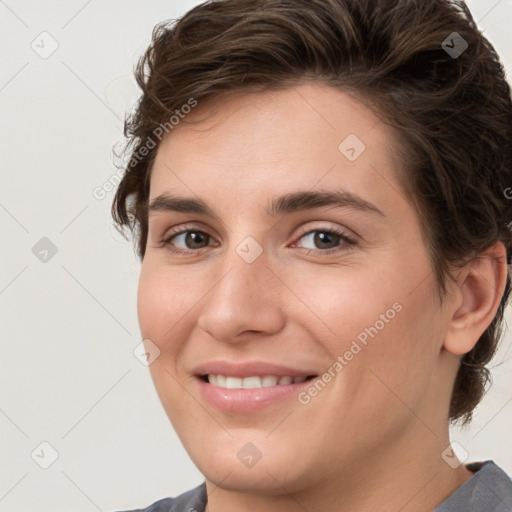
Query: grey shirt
488, 490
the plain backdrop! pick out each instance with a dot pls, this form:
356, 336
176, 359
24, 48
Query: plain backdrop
68, 376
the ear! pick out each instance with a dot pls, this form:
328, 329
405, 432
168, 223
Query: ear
480, 287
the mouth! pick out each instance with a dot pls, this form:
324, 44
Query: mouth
250, 386
253, 381
251, 393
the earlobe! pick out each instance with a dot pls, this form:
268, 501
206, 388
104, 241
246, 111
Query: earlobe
481, 285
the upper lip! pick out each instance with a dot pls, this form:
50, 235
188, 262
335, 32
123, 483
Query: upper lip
249, 369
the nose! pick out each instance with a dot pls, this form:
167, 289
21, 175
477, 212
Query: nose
244, 299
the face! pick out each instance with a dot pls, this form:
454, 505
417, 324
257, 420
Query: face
288, 291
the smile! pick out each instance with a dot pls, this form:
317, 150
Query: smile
253, 382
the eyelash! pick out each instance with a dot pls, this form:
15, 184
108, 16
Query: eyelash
348, 242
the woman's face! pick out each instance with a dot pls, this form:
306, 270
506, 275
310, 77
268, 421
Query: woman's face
256, 276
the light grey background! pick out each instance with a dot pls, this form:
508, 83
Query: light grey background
68, 328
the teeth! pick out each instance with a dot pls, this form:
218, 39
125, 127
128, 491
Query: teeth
233, 382
252, 382
268, 381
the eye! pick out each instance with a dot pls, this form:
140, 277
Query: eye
192, 239
328, 240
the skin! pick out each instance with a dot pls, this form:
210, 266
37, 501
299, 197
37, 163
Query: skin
372, 439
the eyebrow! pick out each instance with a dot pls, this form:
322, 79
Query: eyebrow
291, 202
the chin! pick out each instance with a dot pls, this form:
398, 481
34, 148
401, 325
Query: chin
262, 481
273, 472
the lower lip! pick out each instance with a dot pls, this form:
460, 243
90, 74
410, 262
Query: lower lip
248, 400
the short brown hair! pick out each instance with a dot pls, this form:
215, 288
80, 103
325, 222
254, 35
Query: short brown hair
452, 111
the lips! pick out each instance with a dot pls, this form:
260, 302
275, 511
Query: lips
251, 369
249, 387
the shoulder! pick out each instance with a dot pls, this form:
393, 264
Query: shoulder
489, 490
190, 501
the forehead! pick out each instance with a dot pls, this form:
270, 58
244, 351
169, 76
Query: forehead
310, 134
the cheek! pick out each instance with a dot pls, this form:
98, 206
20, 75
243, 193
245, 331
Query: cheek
383, 321
151, 302
162, 302
346, 303
391, 375
161, 308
